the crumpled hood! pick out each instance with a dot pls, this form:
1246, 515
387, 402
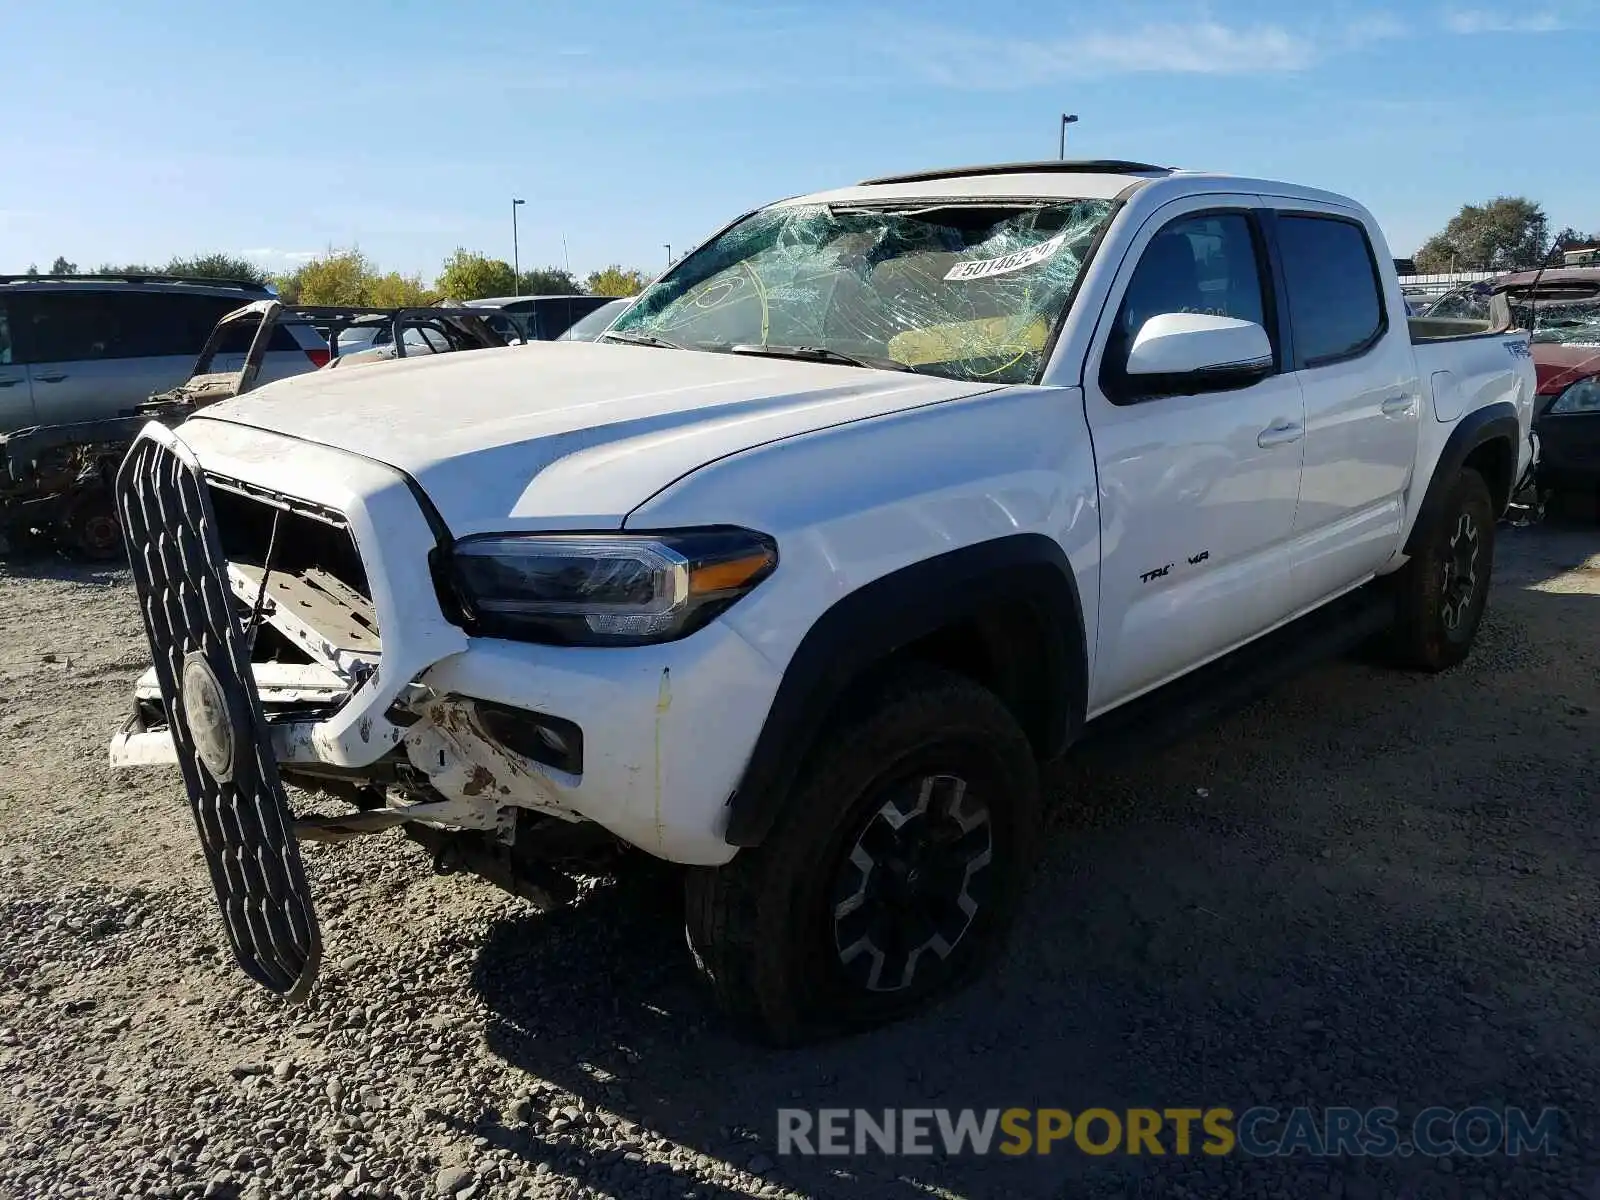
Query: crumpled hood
568, 434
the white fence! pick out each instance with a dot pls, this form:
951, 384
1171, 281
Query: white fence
1425, 287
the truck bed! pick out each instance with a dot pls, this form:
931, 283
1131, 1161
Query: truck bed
1440, 329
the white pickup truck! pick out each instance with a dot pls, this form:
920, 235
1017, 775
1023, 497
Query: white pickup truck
871, 504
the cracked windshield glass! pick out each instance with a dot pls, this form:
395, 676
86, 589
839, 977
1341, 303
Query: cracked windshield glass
1563, 316
1571, 324
964, 291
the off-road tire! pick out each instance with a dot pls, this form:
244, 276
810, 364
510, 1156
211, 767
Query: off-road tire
1436, 620
764, 929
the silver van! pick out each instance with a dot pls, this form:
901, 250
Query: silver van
83, 347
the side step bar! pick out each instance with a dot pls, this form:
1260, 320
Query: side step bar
1155, 721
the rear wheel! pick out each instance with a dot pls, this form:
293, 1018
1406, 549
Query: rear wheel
891, 876
1442, 591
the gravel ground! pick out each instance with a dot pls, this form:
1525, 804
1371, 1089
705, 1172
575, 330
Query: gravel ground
1369, 888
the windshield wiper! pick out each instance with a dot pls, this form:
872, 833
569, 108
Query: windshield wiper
643, 339
819, 354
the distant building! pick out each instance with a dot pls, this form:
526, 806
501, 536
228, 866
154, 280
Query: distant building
1587, 257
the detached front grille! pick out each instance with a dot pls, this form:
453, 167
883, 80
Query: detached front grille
229, 770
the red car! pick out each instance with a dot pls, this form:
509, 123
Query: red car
1564, 314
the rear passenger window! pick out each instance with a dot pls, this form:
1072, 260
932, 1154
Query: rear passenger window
1335, 307
82, 326
142, 325
68, 327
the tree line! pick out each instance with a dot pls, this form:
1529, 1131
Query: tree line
349, 278
1508, 233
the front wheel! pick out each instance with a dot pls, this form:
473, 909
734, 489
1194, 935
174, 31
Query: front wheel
890, 877
1442, 591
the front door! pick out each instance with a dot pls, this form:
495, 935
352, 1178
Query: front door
1197, 492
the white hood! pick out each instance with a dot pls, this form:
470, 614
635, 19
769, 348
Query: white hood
568, 434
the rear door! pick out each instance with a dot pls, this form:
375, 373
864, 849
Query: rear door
95, 354
1363, 399
16, 394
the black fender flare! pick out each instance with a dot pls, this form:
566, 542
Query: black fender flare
863, 629
1483, 425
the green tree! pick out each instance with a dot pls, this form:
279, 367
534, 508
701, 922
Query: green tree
216, 266
395, 290
33, 271
62, 267
1507, 233
339, 277
470, 276
347, 278
209, 266
615, 281
548, 281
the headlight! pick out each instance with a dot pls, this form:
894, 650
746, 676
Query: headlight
604, 589
1581, 397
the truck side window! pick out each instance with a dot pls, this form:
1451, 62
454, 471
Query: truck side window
1199, 264
5, 338
1335, 305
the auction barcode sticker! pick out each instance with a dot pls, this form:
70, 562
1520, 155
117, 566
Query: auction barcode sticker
983, 268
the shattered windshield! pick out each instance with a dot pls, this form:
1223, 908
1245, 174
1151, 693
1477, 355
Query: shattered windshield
1573, 324
964, 291
1562, 314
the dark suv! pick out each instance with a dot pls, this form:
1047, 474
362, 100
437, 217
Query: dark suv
82, 347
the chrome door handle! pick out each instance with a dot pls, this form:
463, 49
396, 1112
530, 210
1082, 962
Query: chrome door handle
49, 378
1280, 434
1398, 406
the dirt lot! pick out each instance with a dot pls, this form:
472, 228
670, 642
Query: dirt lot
1368, 889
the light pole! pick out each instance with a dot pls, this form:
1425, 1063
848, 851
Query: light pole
1066, 119
516, 261
668, 245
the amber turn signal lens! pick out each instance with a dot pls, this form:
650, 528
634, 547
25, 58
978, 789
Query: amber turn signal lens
726, 576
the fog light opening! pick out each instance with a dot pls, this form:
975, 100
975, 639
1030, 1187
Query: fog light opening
553, 741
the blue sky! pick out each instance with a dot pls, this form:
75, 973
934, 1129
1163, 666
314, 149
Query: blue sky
135, 132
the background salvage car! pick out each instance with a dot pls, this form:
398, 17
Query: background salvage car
55, 479
79, 347
540, 318
589, 328
1562, 308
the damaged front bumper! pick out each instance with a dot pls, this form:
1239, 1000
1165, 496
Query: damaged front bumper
395, 702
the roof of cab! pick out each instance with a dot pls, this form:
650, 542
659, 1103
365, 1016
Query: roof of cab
1089, 179
1092, 179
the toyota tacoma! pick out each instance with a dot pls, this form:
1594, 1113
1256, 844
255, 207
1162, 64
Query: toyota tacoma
873, 503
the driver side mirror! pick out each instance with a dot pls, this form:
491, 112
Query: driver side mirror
1187, 353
